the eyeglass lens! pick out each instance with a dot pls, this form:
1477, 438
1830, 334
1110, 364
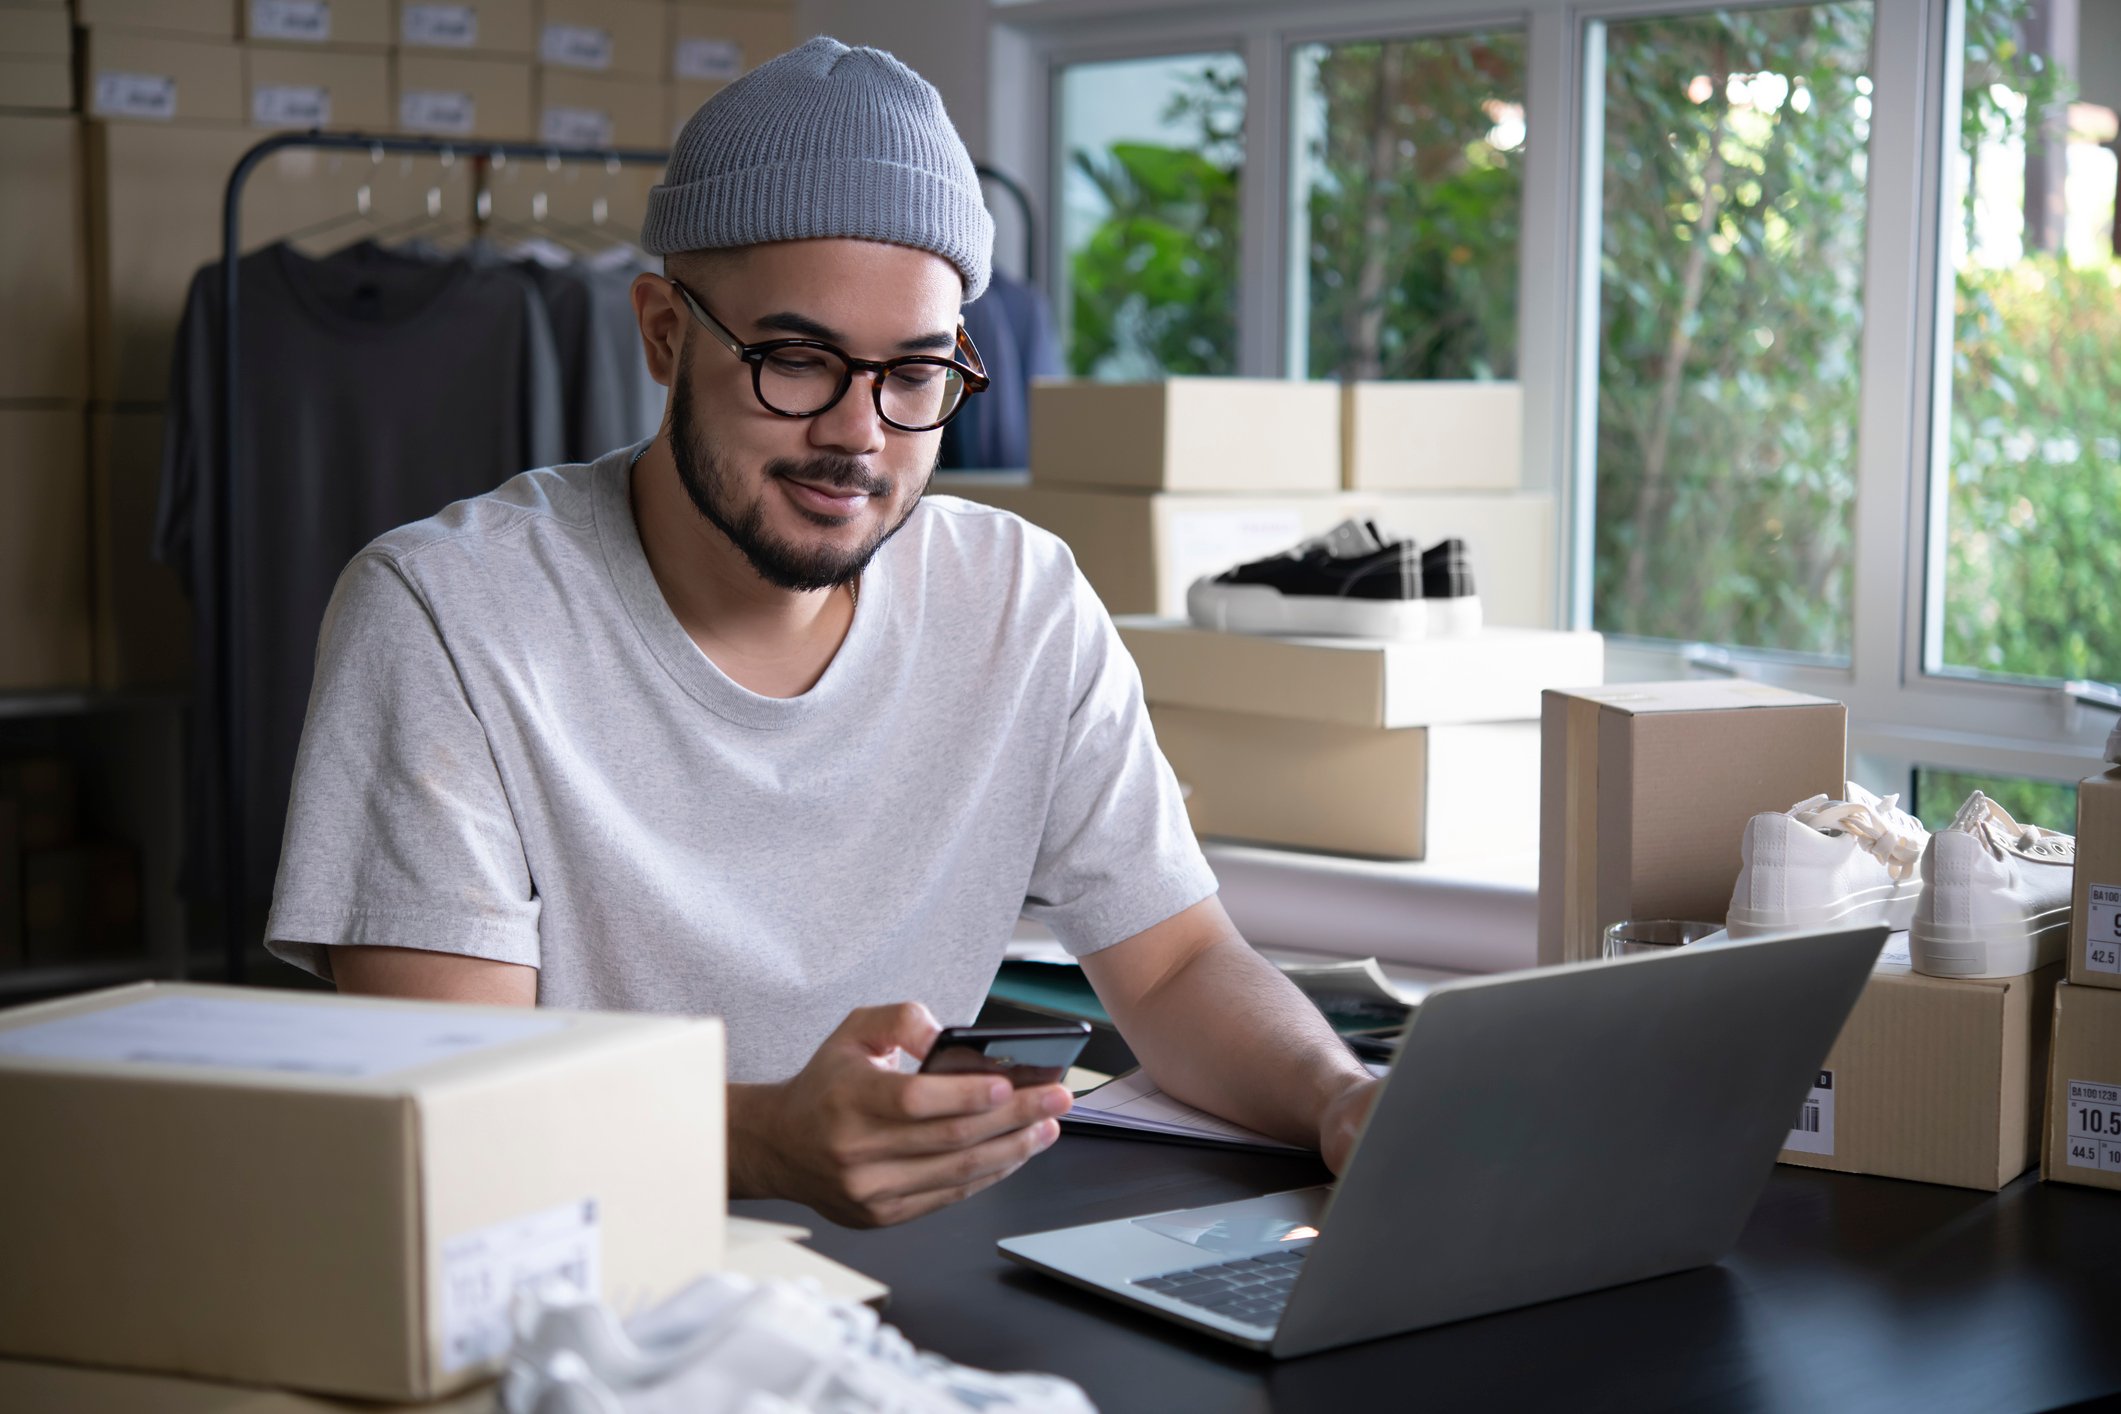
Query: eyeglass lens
800, 382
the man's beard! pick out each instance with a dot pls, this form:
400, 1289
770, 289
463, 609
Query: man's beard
779, 563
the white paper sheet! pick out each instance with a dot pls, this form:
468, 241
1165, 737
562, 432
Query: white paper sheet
270, 1034
1134, 1102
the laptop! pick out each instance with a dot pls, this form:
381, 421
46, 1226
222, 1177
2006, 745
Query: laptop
1541, 1134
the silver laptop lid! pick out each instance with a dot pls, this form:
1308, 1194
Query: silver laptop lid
1551, 1132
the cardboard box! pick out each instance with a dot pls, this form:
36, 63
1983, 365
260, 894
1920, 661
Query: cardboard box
1434, 436
210, 19
77, 1389
338, 1193
44, 576
80, 903
155, 78
143, 617
154, 196
2084, 1089
316, 88
1187, 434
43, 275
1138, 551
44, 795
1645, 789
596, 110
711, 44
1355, 790
36, 64
2095, 907
34, 34
1933, 1079
1509, 543
362, 26
605, 36
457, 97
495, 27
1494, 676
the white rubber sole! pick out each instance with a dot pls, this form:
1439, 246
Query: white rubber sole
2005, 949
1256, 608
1890, 904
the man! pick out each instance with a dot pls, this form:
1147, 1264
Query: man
736, 723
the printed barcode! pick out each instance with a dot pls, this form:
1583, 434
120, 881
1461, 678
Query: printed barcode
1808, 1122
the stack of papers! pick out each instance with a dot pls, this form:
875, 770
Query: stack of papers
1133, 1104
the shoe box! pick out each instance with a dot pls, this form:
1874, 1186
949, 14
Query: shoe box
360, 26
2095, 913
615, 37
37, 59
1424, 749
204, 19
579, 109
1140, 550
339, 1194
1187, 434
1432, 436
1938, 1080
2084, 1088
141, 76
441, 94
43, 275
45, 614
497, 28
711, 44
315, 87
1645, 789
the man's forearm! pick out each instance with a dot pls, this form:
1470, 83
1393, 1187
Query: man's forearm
1227, 1032
751, 1110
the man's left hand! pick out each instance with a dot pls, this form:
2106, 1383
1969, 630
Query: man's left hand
1342, 1122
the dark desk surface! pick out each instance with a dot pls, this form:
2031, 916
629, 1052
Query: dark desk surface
1844, 1294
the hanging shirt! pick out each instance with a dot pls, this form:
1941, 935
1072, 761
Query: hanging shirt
514, 751
376, 390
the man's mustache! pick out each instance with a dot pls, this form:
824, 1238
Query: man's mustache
842, 474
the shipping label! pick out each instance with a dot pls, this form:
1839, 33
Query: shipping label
2102, 929
2094, 1126
482, 1271
305, 21
575, 127
291, 105
440, 26
450, 112
136, 96
715, 60
1814, 1131
575, 46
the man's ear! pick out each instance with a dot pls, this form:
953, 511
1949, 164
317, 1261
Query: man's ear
660, 312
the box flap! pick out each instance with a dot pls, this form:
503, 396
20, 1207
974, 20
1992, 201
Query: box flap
1704, 695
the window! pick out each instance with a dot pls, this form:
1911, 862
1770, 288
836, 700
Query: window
1408, 161
2049, 804
1730, 317
1151, 160
2029, 480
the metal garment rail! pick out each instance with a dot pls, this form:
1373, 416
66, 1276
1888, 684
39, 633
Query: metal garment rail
230, 726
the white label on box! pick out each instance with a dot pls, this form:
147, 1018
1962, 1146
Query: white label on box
436, 110
482, 1271
440, 26
575, 46
2102, 929
2095, 1126
1205, 542
291, 105
1814, 1131
136, 96
1896, 952
575, 127
306, 20
716, 60
291, 1037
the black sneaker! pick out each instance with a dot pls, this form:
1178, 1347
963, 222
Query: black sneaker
1351, 580
1447, 586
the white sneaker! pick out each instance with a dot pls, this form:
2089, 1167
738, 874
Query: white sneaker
728, 1345
2113, 743
1995, 895
1828, 863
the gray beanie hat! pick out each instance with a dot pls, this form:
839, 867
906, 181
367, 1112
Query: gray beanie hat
824, 141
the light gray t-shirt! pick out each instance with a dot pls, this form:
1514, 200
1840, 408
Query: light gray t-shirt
514, 751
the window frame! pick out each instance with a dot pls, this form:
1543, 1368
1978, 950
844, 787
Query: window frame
1901, 714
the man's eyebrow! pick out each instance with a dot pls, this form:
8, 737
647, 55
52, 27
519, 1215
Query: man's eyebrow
804, 327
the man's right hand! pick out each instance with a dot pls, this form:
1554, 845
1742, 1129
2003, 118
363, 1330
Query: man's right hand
868, 1145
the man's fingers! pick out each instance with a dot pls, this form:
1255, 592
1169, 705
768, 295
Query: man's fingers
923, 1097
880, 1030
948, 1134
885, 1186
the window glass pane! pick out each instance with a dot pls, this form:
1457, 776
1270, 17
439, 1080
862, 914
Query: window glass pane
1409, 163
2049, 804
2031, 473
1151, 157
1730, 318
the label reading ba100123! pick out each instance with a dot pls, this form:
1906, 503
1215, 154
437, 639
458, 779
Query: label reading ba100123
2102, 929
2094, 1126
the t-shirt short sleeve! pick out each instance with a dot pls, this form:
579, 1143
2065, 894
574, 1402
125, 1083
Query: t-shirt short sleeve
1117, 855
399, 832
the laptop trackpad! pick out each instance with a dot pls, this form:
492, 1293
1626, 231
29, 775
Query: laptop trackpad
1251, 1227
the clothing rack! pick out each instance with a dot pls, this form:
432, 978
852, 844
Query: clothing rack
230, 727
1022, 200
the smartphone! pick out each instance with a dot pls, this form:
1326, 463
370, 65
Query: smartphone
1025, 1055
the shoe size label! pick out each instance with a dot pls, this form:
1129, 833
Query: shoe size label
290, 105
308, 21
440, 26
2094, 1126
483, 1270
445, 111
2102, 929
1813, 1133
714, 60
575, 46
575, 127
119, 95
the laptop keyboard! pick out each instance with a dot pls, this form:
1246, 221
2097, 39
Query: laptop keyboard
1252, 1289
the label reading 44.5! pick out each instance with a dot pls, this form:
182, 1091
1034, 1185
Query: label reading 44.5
2102, 929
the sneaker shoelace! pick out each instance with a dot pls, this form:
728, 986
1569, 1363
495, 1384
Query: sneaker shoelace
1889, 834
1982, 817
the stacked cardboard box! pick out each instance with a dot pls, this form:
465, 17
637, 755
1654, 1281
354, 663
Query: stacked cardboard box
36, 59
2084, 1076
708, 45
